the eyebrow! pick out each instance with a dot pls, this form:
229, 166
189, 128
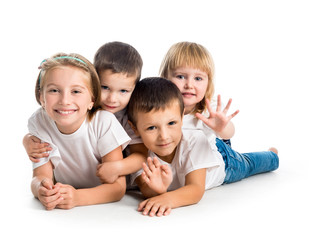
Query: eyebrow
72, 86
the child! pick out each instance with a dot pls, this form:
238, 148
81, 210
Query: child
68, 89
182, 164
190, 67
119, 69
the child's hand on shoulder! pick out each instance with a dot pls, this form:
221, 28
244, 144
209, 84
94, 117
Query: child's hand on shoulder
35, 149
156, 175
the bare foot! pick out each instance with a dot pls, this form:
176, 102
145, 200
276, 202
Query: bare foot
272, 149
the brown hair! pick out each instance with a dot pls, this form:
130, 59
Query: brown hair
119, 58
153, 93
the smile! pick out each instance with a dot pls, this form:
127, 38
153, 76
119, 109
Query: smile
65, 112
187, 94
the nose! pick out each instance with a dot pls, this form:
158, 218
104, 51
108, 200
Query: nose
188, 83
65, 98
111, 97
163, 134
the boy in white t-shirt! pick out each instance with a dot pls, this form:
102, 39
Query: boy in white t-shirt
182, 164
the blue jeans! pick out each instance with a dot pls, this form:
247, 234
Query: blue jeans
243, 165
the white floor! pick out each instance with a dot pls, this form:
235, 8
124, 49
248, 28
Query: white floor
262, 55
267, 206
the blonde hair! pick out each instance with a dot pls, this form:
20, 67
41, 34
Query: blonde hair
74, 60
189, 54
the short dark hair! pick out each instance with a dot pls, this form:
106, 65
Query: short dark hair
153, 93
118, 57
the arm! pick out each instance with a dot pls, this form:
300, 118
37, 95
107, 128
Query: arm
43, 188
218, 120
189, 194
109, 171
103, 193
34, 148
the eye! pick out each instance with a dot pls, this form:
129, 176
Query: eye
104, 87
151, 128
172, 123
198, 78
123, 91
76, 91
53, 90
180, 76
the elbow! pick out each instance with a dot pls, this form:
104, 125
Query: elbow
120, 189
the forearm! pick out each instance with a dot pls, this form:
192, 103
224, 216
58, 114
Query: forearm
103, 193
146, 191
227, 132
131, 164
184, 196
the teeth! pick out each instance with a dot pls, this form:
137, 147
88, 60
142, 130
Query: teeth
65, 112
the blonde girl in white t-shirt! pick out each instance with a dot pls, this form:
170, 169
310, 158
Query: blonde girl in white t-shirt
81, 136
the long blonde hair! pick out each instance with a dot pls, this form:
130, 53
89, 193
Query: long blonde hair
194, 55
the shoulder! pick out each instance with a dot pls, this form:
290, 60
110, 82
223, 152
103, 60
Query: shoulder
193, 137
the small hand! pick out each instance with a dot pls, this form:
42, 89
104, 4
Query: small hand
218, 119
69, 196
49, 194
159, 206
35, 149
108, 172
158, 177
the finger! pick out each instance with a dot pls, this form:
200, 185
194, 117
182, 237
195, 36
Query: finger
208, 107
150, 164
203, 119
35, 160
154, 210
99, 166
167, 211
227, 106
156, 162
47, 183
161, 211
145, 177
141, 206
165, 168
147, 170
218, 103
233, 114
39, 155
147, 208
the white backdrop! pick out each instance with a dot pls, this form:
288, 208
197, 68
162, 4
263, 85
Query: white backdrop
262, 55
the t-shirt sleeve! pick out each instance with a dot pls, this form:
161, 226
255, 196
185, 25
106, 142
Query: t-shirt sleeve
198, 153
110, 133
37, 125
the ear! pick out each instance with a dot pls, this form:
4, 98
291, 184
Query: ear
90, 106
42, 100
134, 128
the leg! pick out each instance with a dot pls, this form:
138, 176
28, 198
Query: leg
239, 166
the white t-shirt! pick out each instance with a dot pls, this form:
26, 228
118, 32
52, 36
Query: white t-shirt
123, 119
191, 122
75, 156
193, 152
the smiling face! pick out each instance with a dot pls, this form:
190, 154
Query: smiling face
192, 83
116, 90
66, 97
160, 130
